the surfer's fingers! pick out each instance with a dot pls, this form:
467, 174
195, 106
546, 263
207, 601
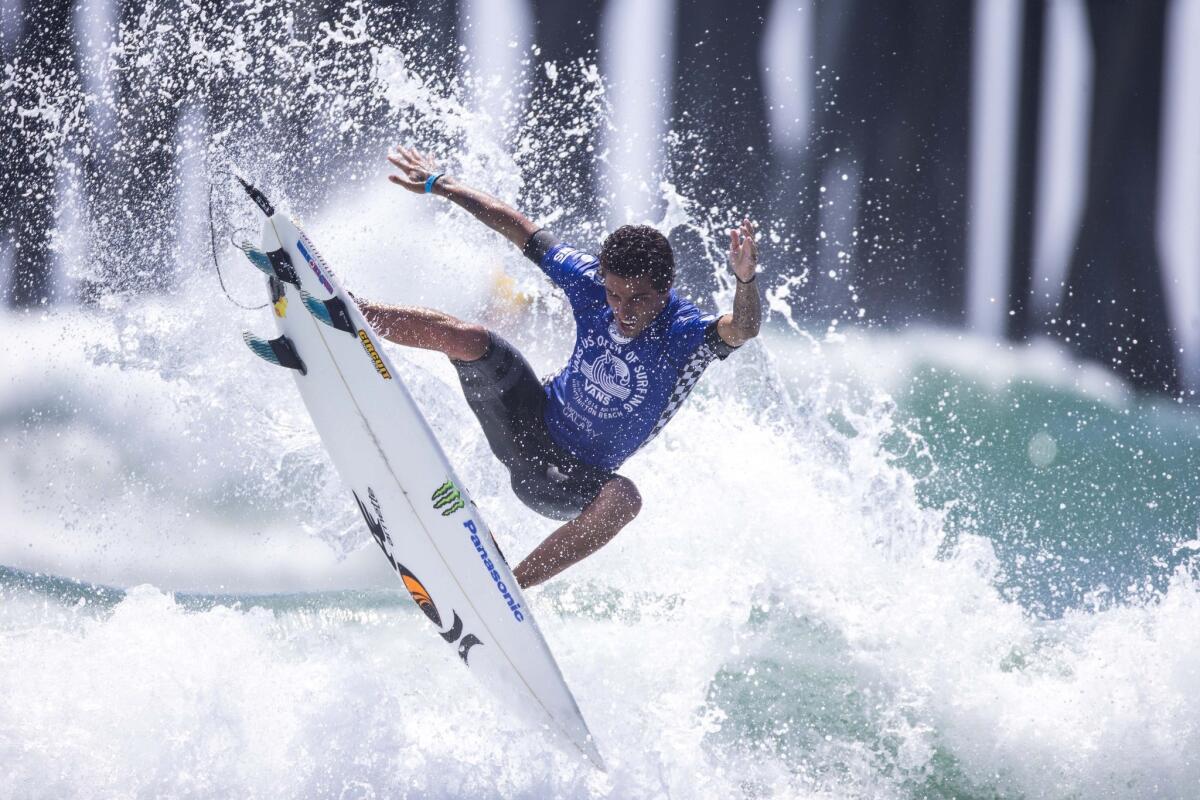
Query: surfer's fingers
405, 157
748, 236
404, 178
737, 246
405, 181
411, 174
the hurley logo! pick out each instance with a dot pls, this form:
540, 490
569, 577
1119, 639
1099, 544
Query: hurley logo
448, 498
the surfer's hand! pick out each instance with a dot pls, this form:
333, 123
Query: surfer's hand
742, 325
743, 251
413, 168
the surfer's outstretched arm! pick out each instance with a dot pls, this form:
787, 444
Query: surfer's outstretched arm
416, 168
614, 508
742, 325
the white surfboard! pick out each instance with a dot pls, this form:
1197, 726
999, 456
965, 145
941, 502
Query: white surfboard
415, 506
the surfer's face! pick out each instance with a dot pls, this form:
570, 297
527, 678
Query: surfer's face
634, 302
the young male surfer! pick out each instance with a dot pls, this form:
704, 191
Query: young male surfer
639, 350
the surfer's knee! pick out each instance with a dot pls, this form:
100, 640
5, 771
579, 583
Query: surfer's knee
624, 497
466, 341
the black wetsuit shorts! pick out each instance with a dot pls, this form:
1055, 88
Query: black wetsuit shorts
507, 397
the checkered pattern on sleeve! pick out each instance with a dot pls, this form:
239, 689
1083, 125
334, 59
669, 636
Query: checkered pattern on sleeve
688, 377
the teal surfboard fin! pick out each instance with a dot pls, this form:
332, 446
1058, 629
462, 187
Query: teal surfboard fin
258, 258
316, 308
332, 311
274, 264
280, 352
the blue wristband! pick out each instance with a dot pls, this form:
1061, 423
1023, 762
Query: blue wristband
430, 181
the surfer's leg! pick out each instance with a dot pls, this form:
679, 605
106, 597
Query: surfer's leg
506, 397
427, 329
614, 508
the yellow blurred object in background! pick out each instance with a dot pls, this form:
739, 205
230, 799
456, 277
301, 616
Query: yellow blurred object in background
506, 300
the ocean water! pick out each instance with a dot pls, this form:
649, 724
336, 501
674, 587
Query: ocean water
869, 565
821, 598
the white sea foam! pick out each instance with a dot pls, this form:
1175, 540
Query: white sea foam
767, 550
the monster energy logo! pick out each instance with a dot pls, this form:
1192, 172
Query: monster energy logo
448, 498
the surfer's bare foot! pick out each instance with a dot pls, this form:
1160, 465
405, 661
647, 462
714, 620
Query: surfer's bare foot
614, 508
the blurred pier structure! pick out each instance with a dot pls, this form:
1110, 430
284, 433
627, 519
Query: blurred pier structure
1013, 167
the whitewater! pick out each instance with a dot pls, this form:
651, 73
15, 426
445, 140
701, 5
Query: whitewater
869, 565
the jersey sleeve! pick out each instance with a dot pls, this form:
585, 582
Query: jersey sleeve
712, 339
571, 269
697, 334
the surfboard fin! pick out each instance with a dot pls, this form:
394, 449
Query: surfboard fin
332, 311
258, 258
280, 352
274, 264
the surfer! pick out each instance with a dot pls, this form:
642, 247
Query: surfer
639, 350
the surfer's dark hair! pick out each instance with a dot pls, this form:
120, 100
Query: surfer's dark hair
632, 251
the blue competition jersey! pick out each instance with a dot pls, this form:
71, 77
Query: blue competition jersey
616, 394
